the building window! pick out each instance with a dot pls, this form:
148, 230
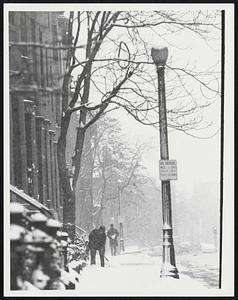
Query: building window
33, 30
41, 60
39, 159
11, 18
58, 108
23, 32
46, 67
34, 50
23, 27
29, 154
16, 142
54, 39
48, 15
52, 103
51, 77
60, 59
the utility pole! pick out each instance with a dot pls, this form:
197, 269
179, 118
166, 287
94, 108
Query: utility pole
168, 265
215, 237
122, 248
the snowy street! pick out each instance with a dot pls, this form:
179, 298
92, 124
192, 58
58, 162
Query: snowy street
139, 274
203, 267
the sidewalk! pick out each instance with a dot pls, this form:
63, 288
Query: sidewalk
134, 274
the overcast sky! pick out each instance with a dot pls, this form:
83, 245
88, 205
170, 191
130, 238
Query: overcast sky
198, 160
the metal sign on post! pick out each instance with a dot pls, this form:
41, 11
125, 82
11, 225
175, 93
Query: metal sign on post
168, 169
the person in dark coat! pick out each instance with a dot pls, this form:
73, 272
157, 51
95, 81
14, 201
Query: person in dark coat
112, 234
97, 241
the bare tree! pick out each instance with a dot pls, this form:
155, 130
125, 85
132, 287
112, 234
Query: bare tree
118, 166
116, 69
105, 160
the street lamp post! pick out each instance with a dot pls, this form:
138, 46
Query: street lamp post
215, 236
168, 269
122, 248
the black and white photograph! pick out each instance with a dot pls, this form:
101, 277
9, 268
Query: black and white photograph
118, 149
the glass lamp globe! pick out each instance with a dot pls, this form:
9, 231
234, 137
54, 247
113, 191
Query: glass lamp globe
159, 55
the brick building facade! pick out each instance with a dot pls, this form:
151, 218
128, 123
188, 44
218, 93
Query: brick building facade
36, 74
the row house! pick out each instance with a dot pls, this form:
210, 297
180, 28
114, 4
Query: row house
36, 69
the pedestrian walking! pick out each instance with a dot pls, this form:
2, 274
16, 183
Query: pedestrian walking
112, 234
97, 241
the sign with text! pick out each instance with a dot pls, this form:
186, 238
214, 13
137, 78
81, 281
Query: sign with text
168, 169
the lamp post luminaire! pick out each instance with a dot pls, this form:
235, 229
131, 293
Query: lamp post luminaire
159, 56
122, 248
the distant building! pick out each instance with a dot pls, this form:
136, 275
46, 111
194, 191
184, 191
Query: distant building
36, 74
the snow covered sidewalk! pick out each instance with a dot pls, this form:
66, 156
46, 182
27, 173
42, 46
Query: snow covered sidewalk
133, 274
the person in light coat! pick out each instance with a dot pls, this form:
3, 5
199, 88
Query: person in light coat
112, 234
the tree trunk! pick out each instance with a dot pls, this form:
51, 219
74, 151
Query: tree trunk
69, 215
68, 192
